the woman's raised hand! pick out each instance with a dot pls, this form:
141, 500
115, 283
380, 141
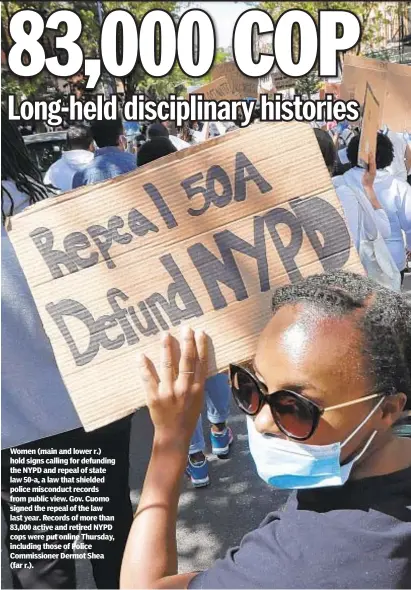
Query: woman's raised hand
175, 391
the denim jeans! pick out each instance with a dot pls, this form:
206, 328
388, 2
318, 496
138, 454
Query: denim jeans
217, 396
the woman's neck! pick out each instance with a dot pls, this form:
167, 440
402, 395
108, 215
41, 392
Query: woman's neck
391, 455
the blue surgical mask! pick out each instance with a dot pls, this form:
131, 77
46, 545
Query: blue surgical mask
287, 464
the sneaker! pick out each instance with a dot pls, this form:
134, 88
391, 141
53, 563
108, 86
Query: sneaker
198, 473
221, 441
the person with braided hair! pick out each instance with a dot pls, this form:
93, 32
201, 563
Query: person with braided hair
21, 181
37, 412
330, 377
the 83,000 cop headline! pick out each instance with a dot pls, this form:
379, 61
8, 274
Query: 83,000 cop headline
160, 40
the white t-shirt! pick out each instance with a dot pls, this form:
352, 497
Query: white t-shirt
395, 198
35, 402
398, 167
344, 186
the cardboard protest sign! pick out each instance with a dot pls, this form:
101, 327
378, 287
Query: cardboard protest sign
246, 87
391, 84
217, 90
200, 237
397, 105
369, 129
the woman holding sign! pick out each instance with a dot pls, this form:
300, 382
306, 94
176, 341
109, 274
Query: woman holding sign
330, 377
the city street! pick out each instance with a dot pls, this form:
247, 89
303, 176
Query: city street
213, 519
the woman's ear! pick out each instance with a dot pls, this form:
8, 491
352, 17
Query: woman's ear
392, 407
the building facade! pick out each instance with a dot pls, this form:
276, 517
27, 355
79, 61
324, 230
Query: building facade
390, 40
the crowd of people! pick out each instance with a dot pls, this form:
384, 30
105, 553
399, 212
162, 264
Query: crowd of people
329, 384
376, 201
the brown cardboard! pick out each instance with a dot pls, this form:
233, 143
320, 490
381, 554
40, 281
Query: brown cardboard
330, 88
391, 84
217, 90
245, 86
369, 128
286, 216
397, 106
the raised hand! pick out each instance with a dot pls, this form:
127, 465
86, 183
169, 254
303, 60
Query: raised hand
175, 392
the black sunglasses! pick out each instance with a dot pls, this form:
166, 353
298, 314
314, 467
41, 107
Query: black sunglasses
295, 415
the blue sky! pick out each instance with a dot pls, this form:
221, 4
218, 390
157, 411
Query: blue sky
224, 15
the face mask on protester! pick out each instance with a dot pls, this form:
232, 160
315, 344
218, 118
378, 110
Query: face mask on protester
290, 465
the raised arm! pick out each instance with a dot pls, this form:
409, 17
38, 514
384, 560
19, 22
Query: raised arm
175, 398
380, 217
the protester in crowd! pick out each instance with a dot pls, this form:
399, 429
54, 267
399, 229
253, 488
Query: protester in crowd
328, 148
401, 163
392, 194
343, 135
330, 377
154, 148
160, 130
110, 159
157, 130
376, 217
35, 399
81, 152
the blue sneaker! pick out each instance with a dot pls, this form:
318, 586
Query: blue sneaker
221, 441
198, 473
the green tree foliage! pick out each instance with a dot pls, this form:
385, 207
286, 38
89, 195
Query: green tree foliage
308, 85
89, 14
370, 14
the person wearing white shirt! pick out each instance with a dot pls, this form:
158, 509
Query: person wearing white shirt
393, 195
376, 217
81, 152
401, 164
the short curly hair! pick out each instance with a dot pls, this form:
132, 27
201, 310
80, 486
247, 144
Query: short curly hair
385, 324
384, 153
